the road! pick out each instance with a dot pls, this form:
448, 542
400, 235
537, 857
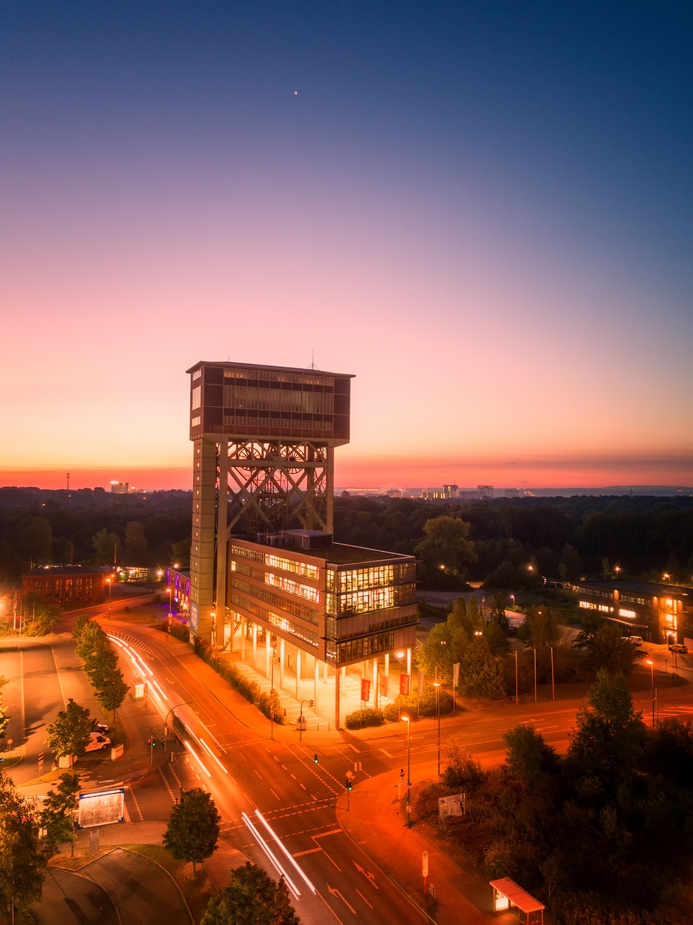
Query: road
247, 773
296, 832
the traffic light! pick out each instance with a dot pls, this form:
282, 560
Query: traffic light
315, 758
149, 740
348, 784
310, 704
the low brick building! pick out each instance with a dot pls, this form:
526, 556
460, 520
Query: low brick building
65, 584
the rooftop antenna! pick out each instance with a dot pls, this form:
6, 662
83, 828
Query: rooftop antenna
312, 360
68, 481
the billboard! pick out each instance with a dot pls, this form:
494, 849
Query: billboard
102, 807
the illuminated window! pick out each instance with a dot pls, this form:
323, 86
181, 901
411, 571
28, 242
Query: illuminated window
196, 398
626, 613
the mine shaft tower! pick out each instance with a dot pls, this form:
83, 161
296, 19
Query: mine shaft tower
264, 440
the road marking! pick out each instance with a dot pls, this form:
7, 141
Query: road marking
331, 832
242, 756
258, 773
294, 776
137, 805
337, 893
354, 749
367, 874
304, 787
275, 758
285, 767
363, 898
386, 753
272, 791
300, 854
163, 777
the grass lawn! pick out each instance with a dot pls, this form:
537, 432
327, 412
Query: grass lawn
197, 890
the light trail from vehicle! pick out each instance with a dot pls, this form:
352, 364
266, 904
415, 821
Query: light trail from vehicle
268, 851
212, 755
283, 848
196, 757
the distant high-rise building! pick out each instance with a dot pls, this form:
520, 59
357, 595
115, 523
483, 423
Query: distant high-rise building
120, 488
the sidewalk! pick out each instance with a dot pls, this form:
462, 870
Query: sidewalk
377, 825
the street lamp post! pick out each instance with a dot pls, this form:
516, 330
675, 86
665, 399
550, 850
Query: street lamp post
109, 582
407, 720
651, 664
436, 684
553, 684
535, 673
271, 709
399, 656
517, 679
185, 703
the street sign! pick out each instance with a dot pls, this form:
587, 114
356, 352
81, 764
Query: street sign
424, 864
456, 674
365, 689
404, 685
454, 805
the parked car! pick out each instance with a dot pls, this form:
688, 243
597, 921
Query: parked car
101, 727
642, 653
678, 647
636, 640
96, 741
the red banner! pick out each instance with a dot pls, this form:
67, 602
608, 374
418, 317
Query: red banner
365, 689
384, 686
404, 684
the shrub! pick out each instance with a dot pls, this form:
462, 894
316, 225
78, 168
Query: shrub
462, 772
415, 707
179, 630
367, 717
248, 689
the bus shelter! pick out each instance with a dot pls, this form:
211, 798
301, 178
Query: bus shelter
507, 895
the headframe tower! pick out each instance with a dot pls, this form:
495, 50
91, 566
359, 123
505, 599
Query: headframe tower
264, 440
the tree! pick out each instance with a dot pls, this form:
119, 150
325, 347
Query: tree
251, 898
447, 547
35, 540
135, 543
528, 754
606, 647
460, 770
67, 733
106, 546
4, 719
58, 813
41, 617
110, 689
436, 653
481, 673
610, 736
540, 628
21, 858
193, 828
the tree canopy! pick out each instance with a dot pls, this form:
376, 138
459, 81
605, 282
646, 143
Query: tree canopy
67, 733
193, 828
251, 898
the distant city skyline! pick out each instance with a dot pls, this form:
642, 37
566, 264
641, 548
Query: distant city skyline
482, 210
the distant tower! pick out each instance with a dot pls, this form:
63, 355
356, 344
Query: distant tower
264, 440
68, 481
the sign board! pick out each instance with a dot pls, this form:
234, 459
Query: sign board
117, 752
404, 685
194, 618
424, 864
365, 689
456, 674
454, 805
138, 688
102, 807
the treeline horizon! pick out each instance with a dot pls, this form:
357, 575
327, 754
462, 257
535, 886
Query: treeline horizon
564, 538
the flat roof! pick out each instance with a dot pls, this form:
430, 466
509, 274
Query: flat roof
308, 371
517, 896
337, 554
655, 589
46, 570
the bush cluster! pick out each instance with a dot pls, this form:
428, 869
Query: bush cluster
178, 630
248, 689
365, 717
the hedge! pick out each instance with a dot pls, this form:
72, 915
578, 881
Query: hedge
238, 681
367, 717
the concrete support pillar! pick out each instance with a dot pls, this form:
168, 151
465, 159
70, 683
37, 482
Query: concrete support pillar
244, 630
376, 692
337, 705
316, 678
409, 665
255, 646
324, 672
281, 663
268, 654
343, 678
222, 532
387, 664
298, 674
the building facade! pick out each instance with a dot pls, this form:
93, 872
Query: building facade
264, 570
65, 584
178, 580
660, 613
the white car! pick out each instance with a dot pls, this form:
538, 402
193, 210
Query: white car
96, 741
636, 640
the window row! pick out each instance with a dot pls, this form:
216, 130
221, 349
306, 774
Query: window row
255, 400
366, 647
278, 581
276, 620
378, 576
274, 561
340, 605
275, 601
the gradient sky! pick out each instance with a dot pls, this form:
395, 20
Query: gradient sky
484, 210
